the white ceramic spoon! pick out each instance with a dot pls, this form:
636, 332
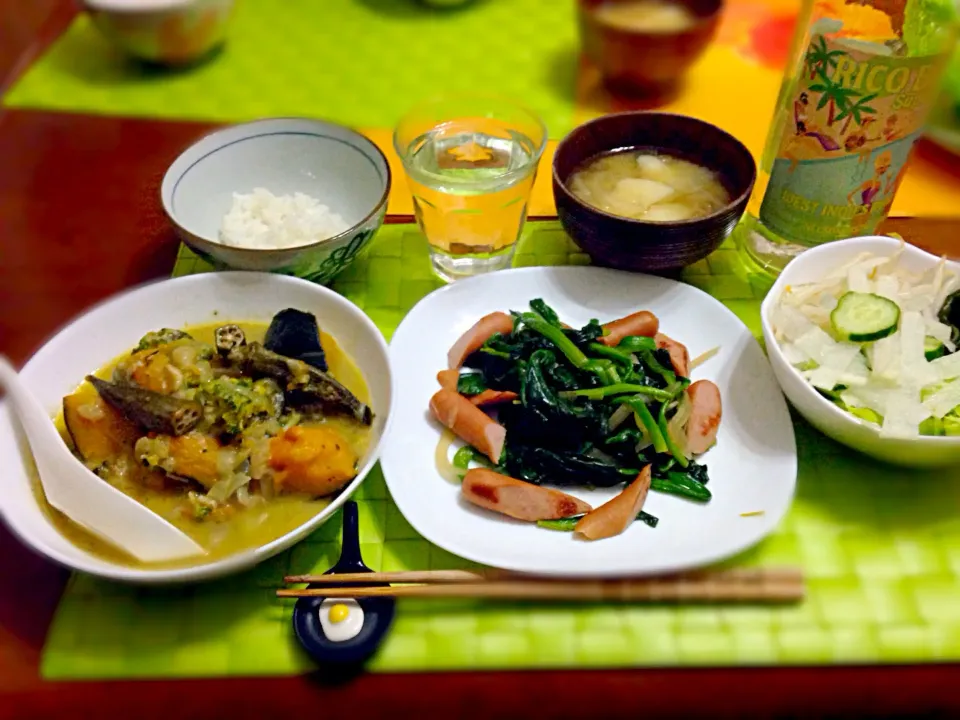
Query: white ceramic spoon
82, 496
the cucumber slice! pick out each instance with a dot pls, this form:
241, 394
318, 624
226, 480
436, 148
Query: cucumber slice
951, 425
867, 414
932, 426
864, 317
933, 348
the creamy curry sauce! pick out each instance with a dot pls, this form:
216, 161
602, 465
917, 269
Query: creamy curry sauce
247, 527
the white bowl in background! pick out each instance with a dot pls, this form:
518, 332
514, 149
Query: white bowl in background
333, 164
168, 32
108, 330
824, 415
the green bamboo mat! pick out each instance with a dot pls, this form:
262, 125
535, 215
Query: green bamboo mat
358, 62
880, 548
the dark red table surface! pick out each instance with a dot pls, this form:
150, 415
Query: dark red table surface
79, 221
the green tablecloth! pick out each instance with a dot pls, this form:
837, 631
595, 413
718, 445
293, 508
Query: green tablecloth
362, 63
880, 548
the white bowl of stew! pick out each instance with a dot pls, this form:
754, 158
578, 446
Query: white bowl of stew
266, 523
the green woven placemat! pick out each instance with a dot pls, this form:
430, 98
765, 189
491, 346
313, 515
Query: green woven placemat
880, 548
358, 62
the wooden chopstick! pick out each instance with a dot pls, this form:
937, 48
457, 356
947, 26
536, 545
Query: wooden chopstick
406, 576
470, 576
742, 585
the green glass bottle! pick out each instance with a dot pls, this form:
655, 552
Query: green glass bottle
861, 77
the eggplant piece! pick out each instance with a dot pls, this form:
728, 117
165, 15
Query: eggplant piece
295, 334
306, 388
228, 337
151, 411
317, 359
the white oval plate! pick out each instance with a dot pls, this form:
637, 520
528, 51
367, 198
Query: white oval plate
752, 468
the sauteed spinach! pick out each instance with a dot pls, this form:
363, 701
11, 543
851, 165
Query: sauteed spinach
586, 415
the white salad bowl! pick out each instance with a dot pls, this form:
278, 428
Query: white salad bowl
112, 328
832, 421
337, 166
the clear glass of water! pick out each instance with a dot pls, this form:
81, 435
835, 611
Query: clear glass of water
470, 161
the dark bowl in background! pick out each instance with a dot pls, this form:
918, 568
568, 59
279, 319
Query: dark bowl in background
640, 61
638, 245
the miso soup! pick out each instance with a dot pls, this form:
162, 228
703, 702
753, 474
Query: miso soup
648, 186
653, 16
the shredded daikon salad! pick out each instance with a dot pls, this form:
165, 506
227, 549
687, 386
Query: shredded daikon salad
880, 341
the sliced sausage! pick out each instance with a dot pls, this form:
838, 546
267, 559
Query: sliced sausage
679, 357
641, 324
472, 339
470, 424
705, 415
518, 499
448, 379
493, 397
616, 515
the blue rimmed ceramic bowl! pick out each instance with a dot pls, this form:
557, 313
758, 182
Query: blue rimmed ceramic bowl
338, 166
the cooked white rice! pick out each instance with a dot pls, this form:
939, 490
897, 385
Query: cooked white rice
263, 221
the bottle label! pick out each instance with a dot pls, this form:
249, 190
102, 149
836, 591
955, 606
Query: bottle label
848, 128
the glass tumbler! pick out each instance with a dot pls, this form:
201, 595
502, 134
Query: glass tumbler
470, 161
